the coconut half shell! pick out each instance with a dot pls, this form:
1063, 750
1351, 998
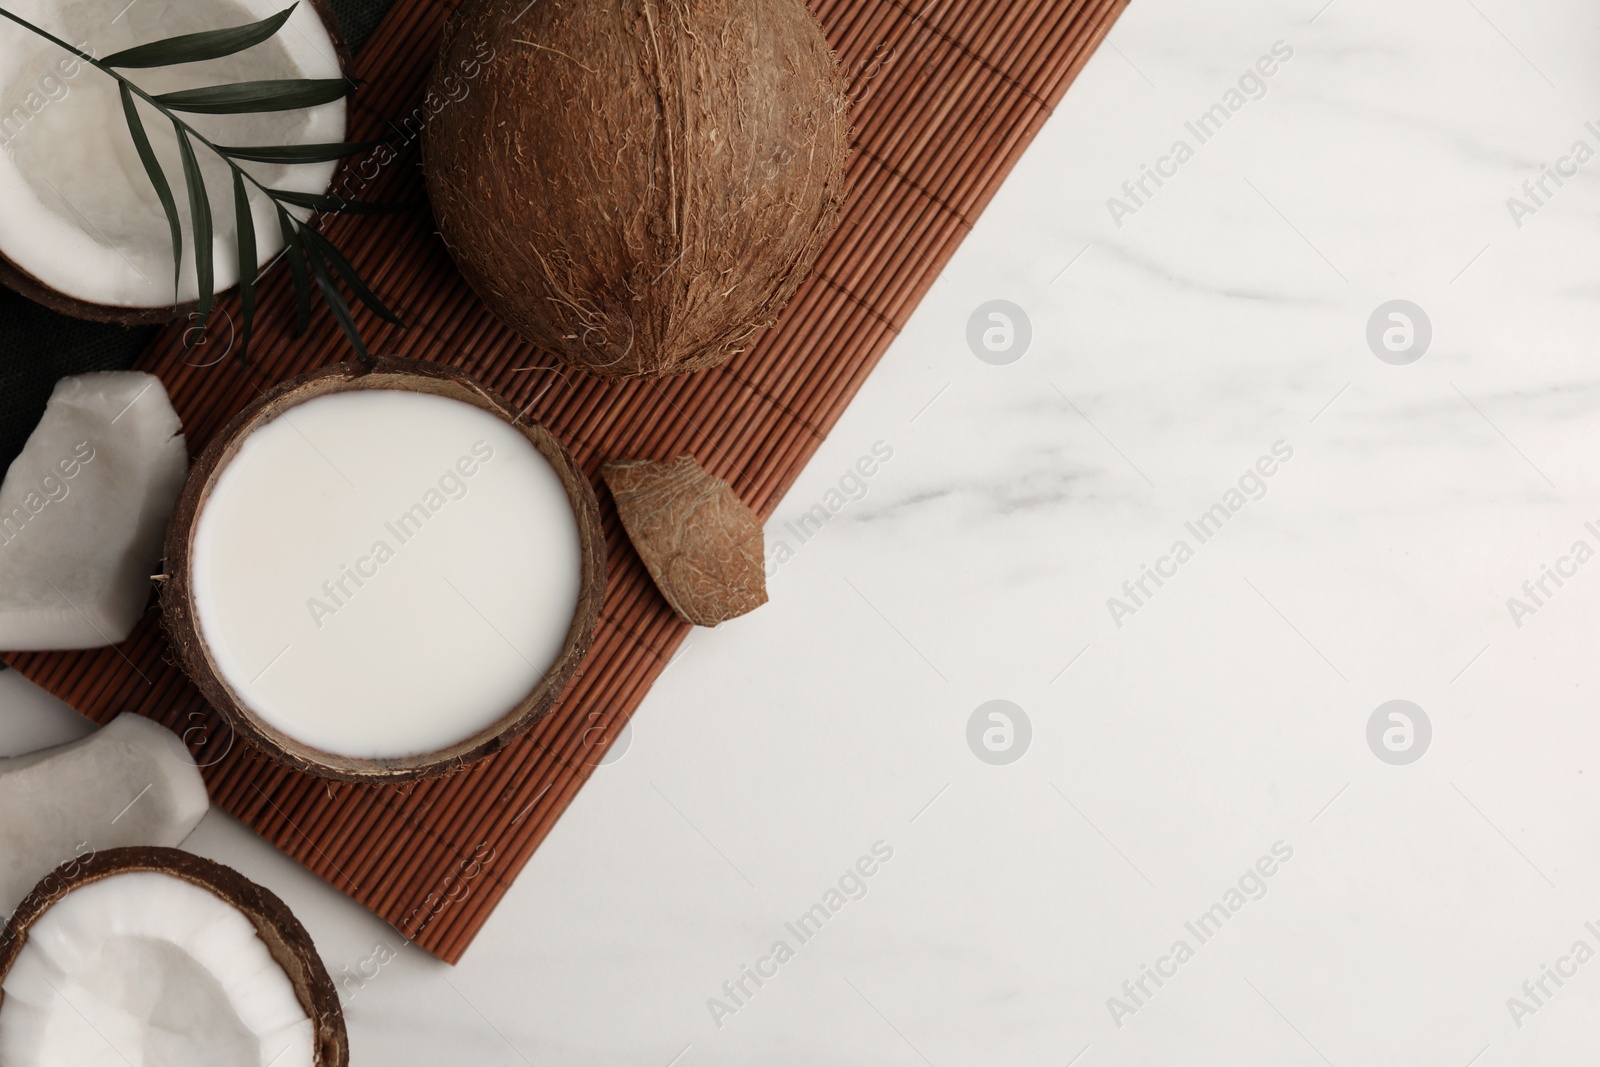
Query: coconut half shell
286, 939
22, 107
637, 186
178, 601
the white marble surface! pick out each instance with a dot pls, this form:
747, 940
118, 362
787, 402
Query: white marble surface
1229, 713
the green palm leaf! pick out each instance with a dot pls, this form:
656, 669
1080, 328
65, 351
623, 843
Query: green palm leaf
297, 269
242, 98
158, 181
298, 153
200, 224
245, 223
335, 300
198, 47
352, 280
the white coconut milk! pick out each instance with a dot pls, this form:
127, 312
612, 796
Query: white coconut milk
383, 573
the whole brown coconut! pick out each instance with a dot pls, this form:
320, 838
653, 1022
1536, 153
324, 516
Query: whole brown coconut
638, 186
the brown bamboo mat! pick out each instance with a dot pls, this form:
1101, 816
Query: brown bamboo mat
948, 92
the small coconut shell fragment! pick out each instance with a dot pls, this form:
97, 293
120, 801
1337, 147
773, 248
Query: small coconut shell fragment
702, 544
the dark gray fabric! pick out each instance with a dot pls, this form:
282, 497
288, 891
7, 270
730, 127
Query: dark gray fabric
38, 346
358, 18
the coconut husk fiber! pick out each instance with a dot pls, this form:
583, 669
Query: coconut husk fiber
639, 186
946, 96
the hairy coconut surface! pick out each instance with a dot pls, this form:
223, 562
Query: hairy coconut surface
180, 604
199, 956
638, 186
701, 543
81, 229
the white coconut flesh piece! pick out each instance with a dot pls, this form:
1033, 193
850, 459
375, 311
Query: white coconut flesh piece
80, 214
132, 782
144, 969
84, 509
36, 720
